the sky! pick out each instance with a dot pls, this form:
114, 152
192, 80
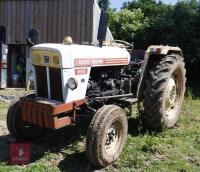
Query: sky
118, 3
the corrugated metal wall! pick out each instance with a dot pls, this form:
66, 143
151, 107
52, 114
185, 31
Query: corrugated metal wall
53, 18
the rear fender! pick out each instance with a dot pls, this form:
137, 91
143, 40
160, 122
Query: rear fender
151, 53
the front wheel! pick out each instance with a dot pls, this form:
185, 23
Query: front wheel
17, 128
106, 135
164, 92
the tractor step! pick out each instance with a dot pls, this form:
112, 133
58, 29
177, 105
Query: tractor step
128, 101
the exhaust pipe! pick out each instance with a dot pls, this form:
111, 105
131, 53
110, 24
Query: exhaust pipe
103, 24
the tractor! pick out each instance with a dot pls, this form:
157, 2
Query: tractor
98, 81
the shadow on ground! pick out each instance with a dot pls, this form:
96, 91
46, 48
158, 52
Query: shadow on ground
55, 141
58, 141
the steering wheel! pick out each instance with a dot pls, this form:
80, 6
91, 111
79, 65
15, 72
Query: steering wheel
125, 44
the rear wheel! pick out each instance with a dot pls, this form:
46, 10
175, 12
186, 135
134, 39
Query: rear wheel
17, 128
164, 92
106, 135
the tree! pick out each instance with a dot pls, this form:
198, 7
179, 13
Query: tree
104, 4
187, 36
157, 13
126, 23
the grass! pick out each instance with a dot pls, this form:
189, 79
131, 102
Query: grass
3, 110
176, 149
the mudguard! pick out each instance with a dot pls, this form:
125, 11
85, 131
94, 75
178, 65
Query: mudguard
151, 52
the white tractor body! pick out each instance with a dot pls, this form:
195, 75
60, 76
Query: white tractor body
75, 61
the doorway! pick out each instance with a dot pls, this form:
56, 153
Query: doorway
2, 34
16, 65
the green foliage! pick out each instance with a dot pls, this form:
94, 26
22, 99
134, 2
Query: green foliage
150, 8
189, 95
126, 23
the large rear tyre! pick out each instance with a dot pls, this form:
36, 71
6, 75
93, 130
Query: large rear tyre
17, 128
106, 135
164, 92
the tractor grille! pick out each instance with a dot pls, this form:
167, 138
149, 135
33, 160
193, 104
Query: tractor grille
55, 82
41, 80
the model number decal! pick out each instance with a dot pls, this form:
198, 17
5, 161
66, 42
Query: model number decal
81, 71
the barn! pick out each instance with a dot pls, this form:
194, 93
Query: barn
53, 19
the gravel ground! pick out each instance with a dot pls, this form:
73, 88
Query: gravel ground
5, 138
3, 128
12, 92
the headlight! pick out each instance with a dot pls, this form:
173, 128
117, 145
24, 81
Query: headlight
37, 59
55, 60
72, 84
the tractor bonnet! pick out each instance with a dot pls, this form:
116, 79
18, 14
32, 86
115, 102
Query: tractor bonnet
69, 56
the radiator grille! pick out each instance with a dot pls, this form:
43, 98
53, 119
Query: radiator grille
41, 80
55, 82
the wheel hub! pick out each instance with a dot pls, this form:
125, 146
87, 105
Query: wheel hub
111, 135
171, 97
112, 138
171, 92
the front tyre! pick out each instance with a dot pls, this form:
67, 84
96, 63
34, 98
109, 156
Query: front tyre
106, 135
17, 128
164, 92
